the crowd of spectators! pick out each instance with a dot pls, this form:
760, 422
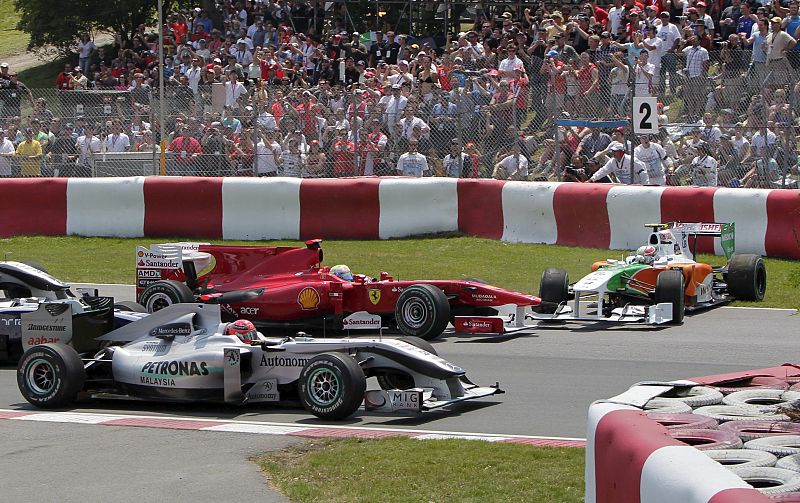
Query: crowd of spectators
303, 96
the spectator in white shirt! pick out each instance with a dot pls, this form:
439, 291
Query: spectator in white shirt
87, 146
514, 166
193, 73
7, 152
268, 155
117, 141
412, 126
234, 90
412, 163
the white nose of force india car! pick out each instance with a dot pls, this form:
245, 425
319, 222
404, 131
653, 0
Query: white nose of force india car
182, 353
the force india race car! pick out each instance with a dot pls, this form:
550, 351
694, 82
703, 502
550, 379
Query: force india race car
658, 284
26, 289
286, 287
181, 353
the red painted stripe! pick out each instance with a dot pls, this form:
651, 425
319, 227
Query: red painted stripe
543, 442
689, 204
13, 414
581, 215
624, 439
344, 208
183, 206
480, 208
783, 224
740, 495
33, 206
783, 372
158, 422
339, 433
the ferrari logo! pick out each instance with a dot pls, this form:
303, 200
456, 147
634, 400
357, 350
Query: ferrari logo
374, 296
308, 298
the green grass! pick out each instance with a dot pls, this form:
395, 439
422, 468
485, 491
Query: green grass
511, 265
407, 470
12, 41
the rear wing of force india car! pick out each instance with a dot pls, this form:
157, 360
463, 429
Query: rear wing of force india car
683, 231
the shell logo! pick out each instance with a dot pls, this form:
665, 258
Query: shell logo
308, 298
141, 253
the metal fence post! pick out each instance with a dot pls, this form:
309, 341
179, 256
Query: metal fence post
632, 91
556, 139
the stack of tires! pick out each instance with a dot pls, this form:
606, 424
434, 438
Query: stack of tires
743, 426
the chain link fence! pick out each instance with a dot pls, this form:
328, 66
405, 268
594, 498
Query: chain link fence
729, 125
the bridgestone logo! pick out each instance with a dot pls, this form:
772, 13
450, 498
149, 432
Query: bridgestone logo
47, 328
277, 361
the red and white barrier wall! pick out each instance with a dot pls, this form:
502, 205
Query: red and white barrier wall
633, 459
594, 215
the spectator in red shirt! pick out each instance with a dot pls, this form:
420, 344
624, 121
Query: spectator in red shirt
186, 149
343, 154
64, 79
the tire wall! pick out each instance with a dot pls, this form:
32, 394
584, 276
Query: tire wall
591, 215
633, 459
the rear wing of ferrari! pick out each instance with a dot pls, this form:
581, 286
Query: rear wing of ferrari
683, 230
162, 261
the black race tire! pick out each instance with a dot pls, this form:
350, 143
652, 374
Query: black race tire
422, 311
36, 265
331, 386
50, 376
401, 380
670, 288
161, 294
129, 305
553, 290
747, 277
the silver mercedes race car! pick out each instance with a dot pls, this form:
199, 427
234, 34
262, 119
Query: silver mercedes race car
182, 353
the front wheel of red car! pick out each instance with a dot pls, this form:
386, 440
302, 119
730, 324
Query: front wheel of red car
163, 294
422, 311
670, 288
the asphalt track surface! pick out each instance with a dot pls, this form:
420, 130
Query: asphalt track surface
551, 375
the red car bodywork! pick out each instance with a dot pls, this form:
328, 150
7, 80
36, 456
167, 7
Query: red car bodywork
296, 288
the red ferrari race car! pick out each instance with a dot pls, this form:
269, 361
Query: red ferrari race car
280, 287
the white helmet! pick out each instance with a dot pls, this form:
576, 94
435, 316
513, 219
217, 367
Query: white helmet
342, 271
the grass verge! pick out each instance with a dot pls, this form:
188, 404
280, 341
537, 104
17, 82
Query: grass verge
511, 265
12, 41
407, 470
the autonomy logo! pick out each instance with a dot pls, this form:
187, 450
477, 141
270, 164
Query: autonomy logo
278, 361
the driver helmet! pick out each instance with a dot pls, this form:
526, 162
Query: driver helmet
342, 271
647, 254
243, 329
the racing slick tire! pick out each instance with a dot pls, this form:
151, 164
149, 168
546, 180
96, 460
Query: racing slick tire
161, 294
422, 311
127, 305
332, 386
747, 277
670, 288
399, 380
553, 290
50, 376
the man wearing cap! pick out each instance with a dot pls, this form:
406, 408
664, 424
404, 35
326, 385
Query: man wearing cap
234, 90
655, 159
779, 43
7, 152
670, 37
393, 105
553, 68
457, 163
62, 154
758, 57
620, 166
30, 153
12, 94
696, 71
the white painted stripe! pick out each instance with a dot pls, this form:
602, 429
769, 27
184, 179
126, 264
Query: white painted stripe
761, 308
596, 412
417, 206
629, 209
528, 214
685, 474
460, 437
260, 208
263, 429
105, 206
748, 210
68, 417
99, 418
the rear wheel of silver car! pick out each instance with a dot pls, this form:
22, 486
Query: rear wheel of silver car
127, 305
422, 311
747, 277
161, 294
332, 386
670, 288
401, 380
553, 290
50, 375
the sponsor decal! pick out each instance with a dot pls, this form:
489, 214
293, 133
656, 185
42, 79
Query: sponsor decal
249, 310
477, 324
157, 381
228, 309
141, 283
172, 330
677, 249
175, 368
10, 321
46, 328
160, 263
50, 323
360, 320
397, 289
35, 341
148, 273
374, 296
308, 298
484, 297
266, 391
280, 361
232, 357
11, 325
154, 347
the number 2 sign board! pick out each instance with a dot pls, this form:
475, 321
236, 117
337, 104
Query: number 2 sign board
645, 115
